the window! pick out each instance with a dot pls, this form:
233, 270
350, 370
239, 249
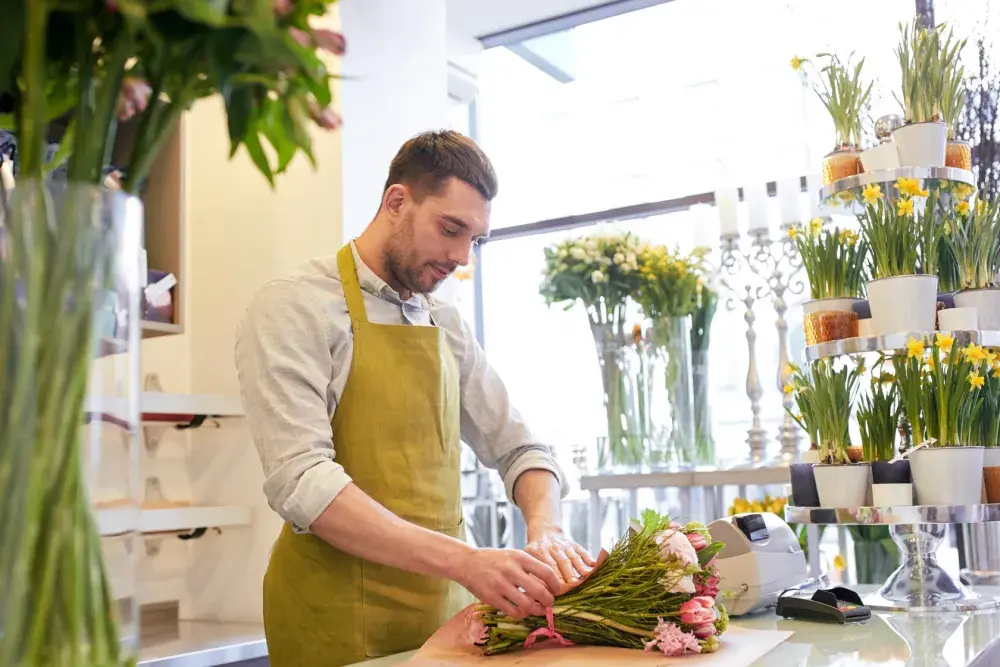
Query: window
658, 104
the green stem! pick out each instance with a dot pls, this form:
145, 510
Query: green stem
31, 122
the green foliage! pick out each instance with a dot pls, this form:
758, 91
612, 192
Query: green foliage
904, 236
878, 417
931, 73
824, 397
835, 260
844, 95
972, 234
73, 57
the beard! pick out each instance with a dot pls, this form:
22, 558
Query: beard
402, 263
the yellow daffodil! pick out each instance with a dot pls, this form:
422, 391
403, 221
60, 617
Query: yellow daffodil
962, 207
796, 63
963, 191
815, 225
886, 378
793, 367
922, 193
991, 358
980, 205
905, 207
930, 364
848, 237
944, 341
996, 370
907, 186
794, 232
914, 348
974, 354
756, 506
789, 389
839, 563
872, 193
976, 380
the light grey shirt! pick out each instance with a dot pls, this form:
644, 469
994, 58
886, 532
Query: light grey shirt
293, 354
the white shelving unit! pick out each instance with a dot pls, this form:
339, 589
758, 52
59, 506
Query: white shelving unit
120, 520
162, 404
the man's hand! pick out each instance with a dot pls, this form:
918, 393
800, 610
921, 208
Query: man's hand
510, 580
551, 546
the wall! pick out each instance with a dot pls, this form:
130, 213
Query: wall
397, 86
240, 233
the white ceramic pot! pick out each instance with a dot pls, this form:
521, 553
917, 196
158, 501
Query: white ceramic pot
843, 485
991, 457
921, 144
839, 305
892, 495
810, 456
903, 304
958, 319
880, 158
947, 475
987, 304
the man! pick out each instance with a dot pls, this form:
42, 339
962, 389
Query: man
359, 388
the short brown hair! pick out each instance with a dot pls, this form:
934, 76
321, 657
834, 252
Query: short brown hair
429, 159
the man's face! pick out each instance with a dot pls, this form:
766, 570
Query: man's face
432, 238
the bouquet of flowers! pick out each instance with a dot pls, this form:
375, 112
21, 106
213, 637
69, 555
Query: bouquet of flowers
655, 590
835, 260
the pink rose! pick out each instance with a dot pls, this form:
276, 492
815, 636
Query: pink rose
698, 611
704, 631
697, 540
331, 41
282, 7
708, 587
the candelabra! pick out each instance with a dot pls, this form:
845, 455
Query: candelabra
773, 273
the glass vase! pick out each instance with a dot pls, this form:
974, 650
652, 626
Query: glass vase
624, 445
70, 268
704, 441
875, 560
674, 407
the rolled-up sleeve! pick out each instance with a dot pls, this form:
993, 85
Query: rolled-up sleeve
490, 423
284, 365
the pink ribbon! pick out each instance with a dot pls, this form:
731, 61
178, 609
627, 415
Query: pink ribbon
548, 633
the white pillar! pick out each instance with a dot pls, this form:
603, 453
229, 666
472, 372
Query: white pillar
395, 86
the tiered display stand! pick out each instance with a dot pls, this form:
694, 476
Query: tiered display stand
919, 583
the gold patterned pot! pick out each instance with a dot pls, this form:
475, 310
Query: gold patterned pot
958, 154
841, 163
826, 320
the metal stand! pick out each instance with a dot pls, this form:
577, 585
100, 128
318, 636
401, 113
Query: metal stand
776, 271
919, 584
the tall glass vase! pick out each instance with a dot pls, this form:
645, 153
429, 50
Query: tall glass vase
70, 269
704, 441
674, 410
624, 444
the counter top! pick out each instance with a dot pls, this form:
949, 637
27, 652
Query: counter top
203, 644
888, 639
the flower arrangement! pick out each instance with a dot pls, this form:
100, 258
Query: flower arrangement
972, 233
88, 70
600, 270
655, 591
929, 65
904, 237
823, 397
843, 93
835, 260
671, 282
940, 387
878, 417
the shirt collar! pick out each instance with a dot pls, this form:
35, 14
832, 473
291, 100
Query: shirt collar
372, 284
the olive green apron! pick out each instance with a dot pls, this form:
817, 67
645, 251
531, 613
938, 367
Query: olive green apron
396, 432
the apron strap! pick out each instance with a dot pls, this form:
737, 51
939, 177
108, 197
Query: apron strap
352, 286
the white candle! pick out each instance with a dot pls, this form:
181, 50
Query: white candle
706, 226
755, 196
814, 183
726, 201
790, 200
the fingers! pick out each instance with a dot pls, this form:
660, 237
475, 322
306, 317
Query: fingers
546, 573
545, 556
565, 566
536, 590
524, 604
577, 562
585, 555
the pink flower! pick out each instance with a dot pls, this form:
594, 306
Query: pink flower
282, 7
134, 98
704, 631
708, 587
476, 631
300, 36
672, 640
327, 118
698, 611
331, 41
697, 540
675, 546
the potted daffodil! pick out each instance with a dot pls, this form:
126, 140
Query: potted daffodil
878, 418
824, 396
836, 263
941, 389
973, 234
905, 236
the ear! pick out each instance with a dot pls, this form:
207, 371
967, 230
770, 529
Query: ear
394, 198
